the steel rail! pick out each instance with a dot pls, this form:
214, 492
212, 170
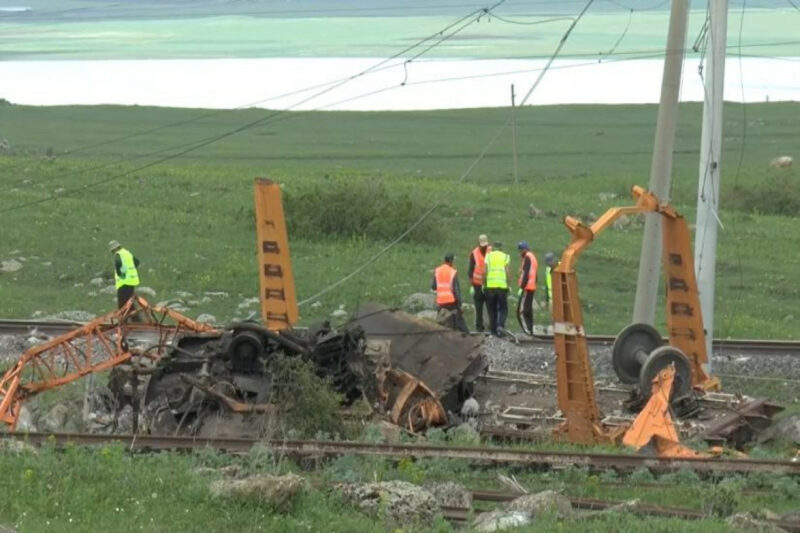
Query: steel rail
592, 504
755, 346
596, 461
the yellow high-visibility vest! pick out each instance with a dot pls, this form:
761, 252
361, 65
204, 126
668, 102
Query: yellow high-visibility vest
130, 276
496, 262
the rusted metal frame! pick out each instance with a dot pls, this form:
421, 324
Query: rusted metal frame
232, 404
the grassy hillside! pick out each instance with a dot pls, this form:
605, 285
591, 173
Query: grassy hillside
190, 219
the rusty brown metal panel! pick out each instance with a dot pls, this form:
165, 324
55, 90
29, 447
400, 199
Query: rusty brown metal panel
277, 292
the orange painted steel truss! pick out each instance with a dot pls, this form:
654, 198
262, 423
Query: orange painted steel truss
94, 347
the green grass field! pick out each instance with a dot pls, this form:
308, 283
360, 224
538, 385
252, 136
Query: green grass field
190, 219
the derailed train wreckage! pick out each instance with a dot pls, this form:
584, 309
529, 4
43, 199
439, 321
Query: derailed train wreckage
171, 375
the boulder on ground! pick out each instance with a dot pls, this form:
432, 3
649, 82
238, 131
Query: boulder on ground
55, 419
207, 318
419, 301
541, 503
451, 494
784, 161
500, 520
746, 522
11, 265
278, 491
786, 429
398, 502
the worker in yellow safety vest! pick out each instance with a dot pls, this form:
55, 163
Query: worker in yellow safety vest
550, 261
526, 286
126, 273
477, 273
448, 293
496, 288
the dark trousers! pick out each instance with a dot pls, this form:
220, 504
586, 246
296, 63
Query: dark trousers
526, 304
497, 306
124, 294
456, 319
480, 300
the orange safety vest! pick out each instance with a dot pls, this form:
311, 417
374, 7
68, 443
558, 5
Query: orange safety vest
531, 286
480, 265
444, 275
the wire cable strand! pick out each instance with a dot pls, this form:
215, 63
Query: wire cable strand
459, 180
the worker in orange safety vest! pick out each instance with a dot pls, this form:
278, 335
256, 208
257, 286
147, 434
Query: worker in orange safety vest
477, 273
448, 293
526, 286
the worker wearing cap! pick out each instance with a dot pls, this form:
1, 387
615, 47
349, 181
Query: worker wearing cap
448, 293
126, 275
477, 273
526, 286
496, 288
550, 261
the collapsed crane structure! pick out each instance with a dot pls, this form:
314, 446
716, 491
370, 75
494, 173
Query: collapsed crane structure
639, 354
182, 373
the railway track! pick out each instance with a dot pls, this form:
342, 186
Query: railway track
536, 459
461, 515
749, 346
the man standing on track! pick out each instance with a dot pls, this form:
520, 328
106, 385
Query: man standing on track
448, 293
527, 286
496, 288
126, 274
477, 273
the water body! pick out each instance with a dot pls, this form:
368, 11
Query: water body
419, 85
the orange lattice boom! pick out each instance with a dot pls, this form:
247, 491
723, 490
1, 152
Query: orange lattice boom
94, 347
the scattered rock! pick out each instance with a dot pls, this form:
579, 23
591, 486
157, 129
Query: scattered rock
606, 196
783, 161
541, 503
500, 519
512, 389
535, 212
316, 305
55, 420
277, 491
184, 295
766, 514
16, 447
230, 471
125, 420
96, 281
216, 294
390, 433
11, 265
248, 302
787, 429
146, 290
398, 502
470, 408
746, 522
622, 223
206, 318
25, 422
419, 301
451, 494
339, 313
108, 289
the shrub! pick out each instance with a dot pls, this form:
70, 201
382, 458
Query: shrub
359, 208
721, 499
778, 194
306, 403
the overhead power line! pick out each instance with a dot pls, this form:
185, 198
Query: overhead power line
364, 265
438, 38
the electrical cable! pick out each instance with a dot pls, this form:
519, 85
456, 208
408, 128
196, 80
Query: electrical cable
465, 21
364, 265
621, 37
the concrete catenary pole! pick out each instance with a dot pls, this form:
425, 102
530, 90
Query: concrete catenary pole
644, 309
705, 239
